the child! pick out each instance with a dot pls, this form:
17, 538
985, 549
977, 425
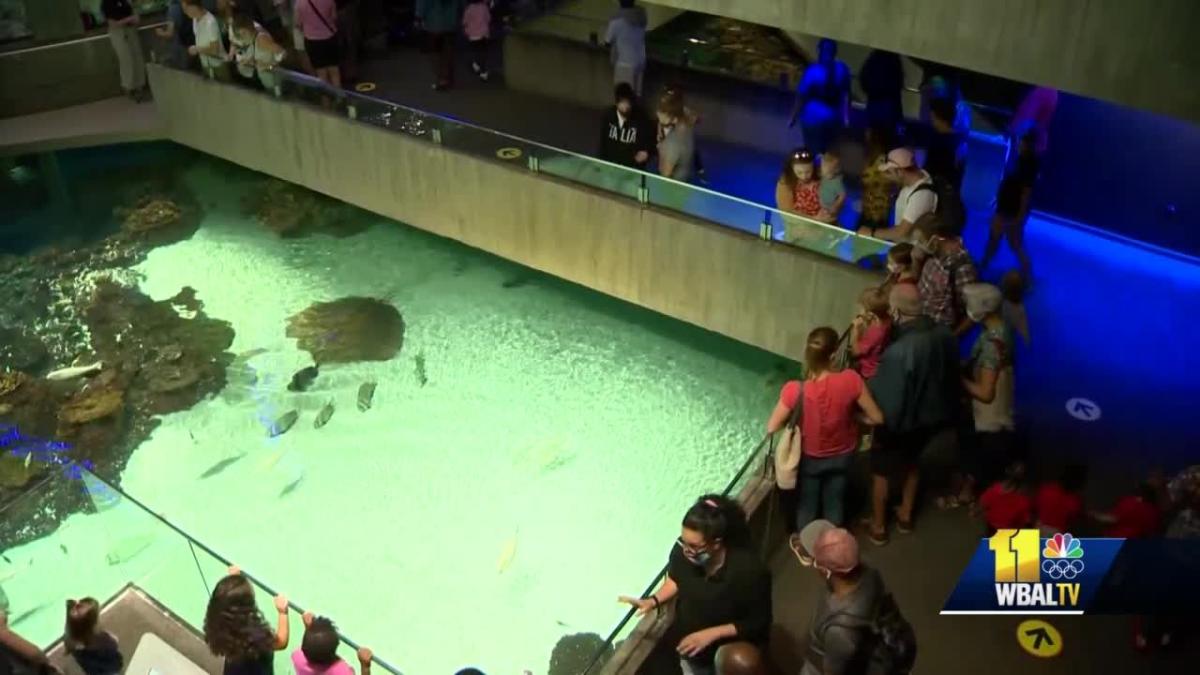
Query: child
95, 651
318, 652
477, 25
869, 332
1012, 286
1059, 503
833, 189
1135, 516
1005, 504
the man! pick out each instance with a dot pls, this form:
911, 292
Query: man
917, 386
946, 147
823, 99
945, 274
917, 196
123, 33
440, 19
740, 658
626, 35
857, 627
628, 137
208, 39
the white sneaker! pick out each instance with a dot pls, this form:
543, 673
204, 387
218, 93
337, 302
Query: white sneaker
484, 76
475, 67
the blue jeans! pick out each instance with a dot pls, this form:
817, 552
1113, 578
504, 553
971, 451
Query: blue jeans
822, 484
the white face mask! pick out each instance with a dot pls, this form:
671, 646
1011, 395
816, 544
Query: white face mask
893, 268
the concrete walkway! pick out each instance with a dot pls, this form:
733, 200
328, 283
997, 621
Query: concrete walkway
113, 120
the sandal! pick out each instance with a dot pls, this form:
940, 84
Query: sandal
904, 526
877, 537
794, 543
947, 502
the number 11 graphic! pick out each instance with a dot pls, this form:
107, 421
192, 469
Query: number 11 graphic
1016, 555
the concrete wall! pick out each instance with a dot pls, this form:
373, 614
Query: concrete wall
1137, 53
59, 75
728, 281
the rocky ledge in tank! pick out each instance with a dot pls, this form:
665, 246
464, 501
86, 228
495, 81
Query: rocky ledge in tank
290, 210
154, 358
348, 329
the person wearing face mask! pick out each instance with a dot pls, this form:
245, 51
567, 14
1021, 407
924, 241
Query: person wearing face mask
917, 387
627, 136
857, 626
946, 269
917, 196
989, 382
720, 587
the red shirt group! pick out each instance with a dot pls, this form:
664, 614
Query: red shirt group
1061, 510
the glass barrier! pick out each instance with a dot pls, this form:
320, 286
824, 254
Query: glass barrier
13, 24
117, 540
754, 467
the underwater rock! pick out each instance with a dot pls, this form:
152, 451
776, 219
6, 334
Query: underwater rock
10, 381
91, 404
150, 214
574, 653
290, 210
21, 351
348, 329
163, 377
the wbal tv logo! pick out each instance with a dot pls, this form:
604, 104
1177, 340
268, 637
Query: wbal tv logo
1031, 577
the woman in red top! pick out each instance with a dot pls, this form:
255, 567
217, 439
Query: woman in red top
829, 425
1005, 504
798, 190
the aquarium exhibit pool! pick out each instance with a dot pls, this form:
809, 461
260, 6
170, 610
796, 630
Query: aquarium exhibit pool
526, 455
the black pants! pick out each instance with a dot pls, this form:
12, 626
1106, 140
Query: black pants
441, 54
479, 54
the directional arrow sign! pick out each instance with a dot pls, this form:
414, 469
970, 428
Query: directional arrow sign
1083, 409
1039, 638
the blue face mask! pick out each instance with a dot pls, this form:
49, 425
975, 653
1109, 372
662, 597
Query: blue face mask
701, 559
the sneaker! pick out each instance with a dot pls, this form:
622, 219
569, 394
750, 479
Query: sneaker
801, 555
475, 67
484, 75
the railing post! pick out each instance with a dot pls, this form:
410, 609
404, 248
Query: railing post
533, 163
765, 228
277, 90
210, 73
352, 111
436, 135
643, 191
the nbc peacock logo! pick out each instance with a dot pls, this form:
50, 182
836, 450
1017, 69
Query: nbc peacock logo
1021, 562
1061, 559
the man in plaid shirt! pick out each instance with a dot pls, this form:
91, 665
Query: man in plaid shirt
947, 270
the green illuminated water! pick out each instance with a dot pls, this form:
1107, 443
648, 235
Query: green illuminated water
503, 497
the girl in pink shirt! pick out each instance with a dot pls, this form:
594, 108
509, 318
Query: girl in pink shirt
477, 25
869, 332
318, 653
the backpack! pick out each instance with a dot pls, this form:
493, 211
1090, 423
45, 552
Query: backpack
889, 645
950, 207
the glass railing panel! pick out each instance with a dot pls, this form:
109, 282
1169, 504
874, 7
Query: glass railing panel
467, 138
705, 204
829, 240
589, 171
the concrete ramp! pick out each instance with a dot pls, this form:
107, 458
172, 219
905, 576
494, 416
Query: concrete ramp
113, 120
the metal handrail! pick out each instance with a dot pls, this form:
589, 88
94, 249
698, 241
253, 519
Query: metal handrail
662, 573
195, 543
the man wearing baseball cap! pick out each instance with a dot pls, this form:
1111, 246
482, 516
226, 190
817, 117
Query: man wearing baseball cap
914, 200
857, 627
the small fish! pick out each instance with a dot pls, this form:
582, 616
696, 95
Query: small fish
26, 614
507, 554
419, 361
324, 415
519, 280
221, 466
5, 558
290, 487
284, 423
274, 458
366, 394
28, 459
73, 372
249, 354
561, 623
303, 378
191, 436
63, 547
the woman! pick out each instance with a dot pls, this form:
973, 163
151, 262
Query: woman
721, 589
798, 192
94, 650
317, 21
254, 51
123, 22
235, 630
829, 427
1013, 200
989, 383
677, 144
878, 189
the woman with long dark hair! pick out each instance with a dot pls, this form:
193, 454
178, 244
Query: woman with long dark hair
235, 629
721, 589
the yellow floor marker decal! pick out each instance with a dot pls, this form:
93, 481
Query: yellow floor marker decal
508, 153
364, 87
1039, 638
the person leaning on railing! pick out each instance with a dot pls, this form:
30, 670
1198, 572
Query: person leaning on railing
721, 589
208, 45
235, 629
18, 655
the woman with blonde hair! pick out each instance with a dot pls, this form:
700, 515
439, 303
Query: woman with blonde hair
677, 140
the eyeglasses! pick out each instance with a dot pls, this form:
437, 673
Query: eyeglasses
688, 549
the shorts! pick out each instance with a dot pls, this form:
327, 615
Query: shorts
894, 453
324, 53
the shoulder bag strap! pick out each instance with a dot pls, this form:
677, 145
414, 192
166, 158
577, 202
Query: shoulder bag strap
798, 409
321, 17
